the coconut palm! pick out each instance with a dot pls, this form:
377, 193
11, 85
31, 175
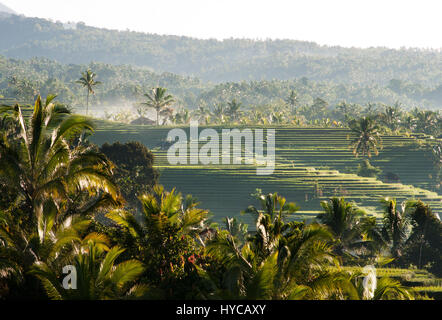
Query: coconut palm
245, 278
270, 220
218, 113
409, 122
426, 236
182, 116
169, 232
87, 80
51, 241
98, 275
318, 108
392, 116
292, 99
346, 221
158, 100
293, 269
395, 225
278, 117
427, 122
202, 114
233, 109
53, 176
44, 158
257, 117
367, 137
280, 261
161, 209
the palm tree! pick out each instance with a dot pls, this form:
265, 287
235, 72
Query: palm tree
219, 113
292, 100
98, 275
345, 221
409, 122
280, 261
45, 158
426, 121
169, 229
233, 109
53, 176
278, 117
318, 108
269, 220
295, 268
158, 100
392, 116
50, 241
426, 234
367, 137
161, 209
182, 116
371, 109
257, 117
202, 114
87, 80
395, 225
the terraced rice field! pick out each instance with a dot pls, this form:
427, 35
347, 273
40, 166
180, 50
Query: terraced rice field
310, 167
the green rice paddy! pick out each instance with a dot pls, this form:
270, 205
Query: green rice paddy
310, 167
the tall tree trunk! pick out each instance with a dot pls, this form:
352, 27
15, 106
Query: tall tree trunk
158, 117
87, 102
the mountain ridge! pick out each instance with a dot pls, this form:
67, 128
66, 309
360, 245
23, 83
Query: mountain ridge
6, 9
215, 60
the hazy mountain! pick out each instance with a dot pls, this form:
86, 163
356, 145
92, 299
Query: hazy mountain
217, 61
121, 85
4, 9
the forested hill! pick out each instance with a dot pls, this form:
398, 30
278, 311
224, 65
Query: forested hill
218, 61
23, 79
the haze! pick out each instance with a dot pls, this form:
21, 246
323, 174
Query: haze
393, 23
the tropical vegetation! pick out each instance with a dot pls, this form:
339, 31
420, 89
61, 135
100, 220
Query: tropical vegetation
64, 205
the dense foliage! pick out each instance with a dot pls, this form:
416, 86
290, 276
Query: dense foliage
122, 85
65, 202
168, 248
133, 172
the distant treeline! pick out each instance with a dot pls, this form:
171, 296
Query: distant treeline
24, 79
218, 61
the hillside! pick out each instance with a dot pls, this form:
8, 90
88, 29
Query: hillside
310, 167
217, 61
121, 85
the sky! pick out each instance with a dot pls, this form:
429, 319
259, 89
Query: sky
349, 23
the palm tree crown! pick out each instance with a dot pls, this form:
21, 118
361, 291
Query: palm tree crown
87, 80
367, 137
158, 100
55, 178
